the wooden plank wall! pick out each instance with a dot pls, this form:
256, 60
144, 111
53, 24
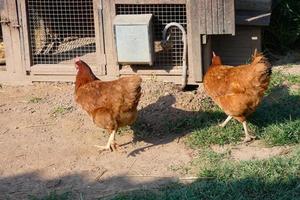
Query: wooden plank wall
236, 50
194, 40
253, 5
217, 17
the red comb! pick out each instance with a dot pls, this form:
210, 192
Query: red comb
77, 59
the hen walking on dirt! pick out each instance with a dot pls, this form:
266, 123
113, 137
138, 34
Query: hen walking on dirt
238, 90
111, 104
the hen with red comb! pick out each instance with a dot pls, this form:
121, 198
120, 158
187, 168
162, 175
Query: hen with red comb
110, 104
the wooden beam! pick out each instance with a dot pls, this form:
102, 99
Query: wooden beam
99, 36
209, 17
25, 39
59, 69
150, 1
202, 16
214, 14
12, 39
194, 40
112, 67
254, 5
175, 72
229, 17
71, 78
221, 16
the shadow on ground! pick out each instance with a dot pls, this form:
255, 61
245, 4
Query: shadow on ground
160, 123
279, 106
34, 186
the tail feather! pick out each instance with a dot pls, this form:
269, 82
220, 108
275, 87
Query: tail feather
132, 86
261, 63
262, 70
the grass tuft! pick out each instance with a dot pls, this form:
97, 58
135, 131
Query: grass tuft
35, 100
275, 178
60, 110
54, 196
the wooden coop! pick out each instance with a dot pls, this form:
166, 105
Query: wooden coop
40, 38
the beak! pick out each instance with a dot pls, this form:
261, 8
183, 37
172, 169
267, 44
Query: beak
214, 55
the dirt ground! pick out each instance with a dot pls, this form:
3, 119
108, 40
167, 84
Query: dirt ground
47, 143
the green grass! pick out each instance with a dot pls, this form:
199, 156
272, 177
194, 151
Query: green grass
35, 100
221, 178
283, 33
277, 119
275, 178
54, 196
60, 110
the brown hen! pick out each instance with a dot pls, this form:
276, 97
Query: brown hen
111, 104
238, 90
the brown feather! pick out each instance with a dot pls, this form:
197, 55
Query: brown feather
111, 104
238, 90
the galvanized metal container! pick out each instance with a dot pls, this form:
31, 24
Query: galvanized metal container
134, 43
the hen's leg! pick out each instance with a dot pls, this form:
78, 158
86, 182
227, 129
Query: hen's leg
110, 141
225, 122
248, 137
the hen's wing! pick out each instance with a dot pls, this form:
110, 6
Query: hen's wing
131, 92
98, 94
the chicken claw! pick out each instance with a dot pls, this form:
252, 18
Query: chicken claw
248, 137
110, 143
104, 148
115, 146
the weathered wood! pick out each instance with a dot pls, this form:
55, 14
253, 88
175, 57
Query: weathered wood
150, 1
6, 33
221, 16
229, 17
12, 37
173, 72
25, 35
62, 77
99, 37
207, 53
253, 5
59, 69
194, 40
202, 16
112, 67
236, 50
71, 78
216, 17
215, 20
13, 79
209, 18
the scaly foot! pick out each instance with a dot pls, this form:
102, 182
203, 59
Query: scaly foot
249, 138
103, 148
225, 122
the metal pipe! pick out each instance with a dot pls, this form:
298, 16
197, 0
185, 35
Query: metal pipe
165, 40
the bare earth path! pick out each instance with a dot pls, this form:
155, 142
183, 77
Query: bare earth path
46, 143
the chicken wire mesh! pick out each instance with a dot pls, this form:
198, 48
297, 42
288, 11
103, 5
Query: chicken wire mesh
61, 30
163, 14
